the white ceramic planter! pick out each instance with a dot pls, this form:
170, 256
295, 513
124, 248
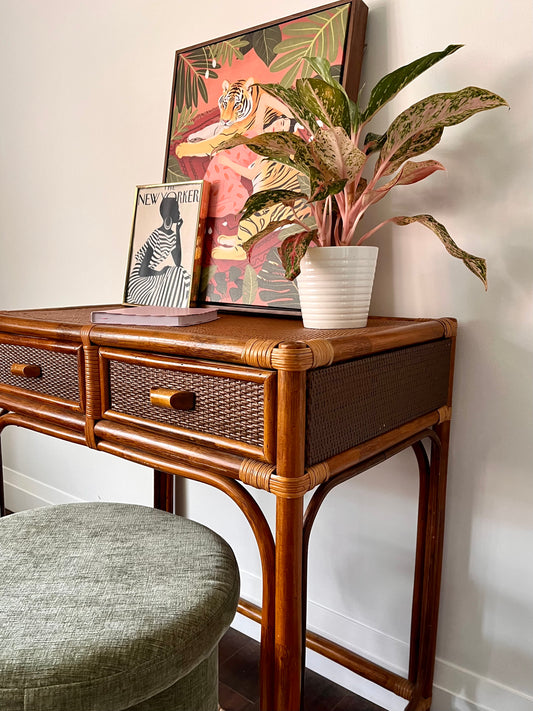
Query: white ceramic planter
335, 286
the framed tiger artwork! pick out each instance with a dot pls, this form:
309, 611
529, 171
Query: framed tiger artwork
215, 95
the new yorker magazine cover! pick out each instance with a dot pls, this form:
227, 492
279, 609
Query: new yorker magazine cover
215, 95
166, 243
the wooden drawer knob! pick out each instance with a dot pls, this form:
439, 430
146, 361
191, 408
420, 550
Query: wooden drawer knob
26, 370
172, 399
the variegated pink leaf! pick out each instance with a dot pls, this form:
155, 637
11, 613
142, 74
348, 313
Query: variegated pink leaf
477, 265
292, 251
334, 151
413, 172
418, 144
264, 199
327, 101
392, 83
281, 146
268, 229
417, 129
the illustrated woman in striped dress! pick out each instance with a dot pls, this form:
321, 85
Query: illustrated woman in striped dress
156, 285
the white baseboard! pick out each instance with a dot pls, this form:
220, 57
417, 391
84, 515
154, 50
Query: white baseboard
23, 492
456, 689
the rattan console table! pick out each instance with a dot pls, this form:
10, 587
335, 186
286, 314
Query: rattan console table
264, 402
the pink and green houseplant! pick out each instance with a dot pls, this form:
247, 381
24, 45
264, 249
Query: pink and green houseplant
347, 170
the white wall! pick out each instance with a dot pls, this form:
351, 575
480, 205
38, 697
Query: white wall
85, 89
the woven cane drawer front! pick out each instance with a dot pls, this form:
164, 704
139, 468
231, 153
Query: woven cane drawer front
352, 402
47, 371
232, 404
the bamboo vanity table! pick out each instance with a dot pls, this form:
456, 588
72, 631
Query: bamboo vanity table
264, 402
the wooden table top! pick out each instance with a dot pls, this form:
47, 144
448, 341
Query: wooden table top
228, 338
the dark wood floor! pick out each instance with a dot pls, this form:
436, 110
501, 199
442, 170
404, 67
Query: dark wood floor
239, 681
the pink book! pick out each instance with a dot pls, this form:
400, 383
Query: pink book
155, 316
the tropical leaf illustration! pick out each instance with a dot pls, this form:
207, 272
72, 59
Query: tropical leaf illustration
228, 50
192, 70
274, 288
181, 122
264, 42
249, 287
208, 273
320, 35
221, 285
174, 173
234, 276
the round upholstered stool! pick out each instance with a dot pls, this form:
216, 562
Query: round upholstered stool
105, 607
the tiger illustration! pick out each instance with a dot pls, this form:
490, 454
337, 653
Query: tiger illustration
264, 174
245, 108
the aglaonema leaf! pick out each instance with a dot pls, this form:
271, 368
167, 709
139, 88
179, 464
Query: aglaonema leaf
325, 101
321, 189
324, 70
267, 198
477, 265
264, 231
284, 147
281, 146
411, 172
419, 124
322, 67
392, 83
294, 103
374, 142
418, 144
333, 150
292, 251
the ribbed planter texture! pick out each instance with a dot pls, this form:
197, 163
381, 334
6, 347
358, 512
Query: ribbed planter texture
335, 286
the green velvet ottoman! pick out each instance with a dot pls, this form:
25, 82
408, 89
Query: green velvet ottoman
105, 607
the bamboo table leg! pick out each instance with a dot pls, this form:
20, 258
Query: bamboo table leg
429, 557
2, 493
424, 472
357, 663
431, 576
2, 500
422, 667
163, 491
289, 528
288, 625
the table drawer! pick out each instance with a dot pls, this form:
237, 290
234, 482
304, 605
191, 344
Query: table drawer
229, 407
42, 369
